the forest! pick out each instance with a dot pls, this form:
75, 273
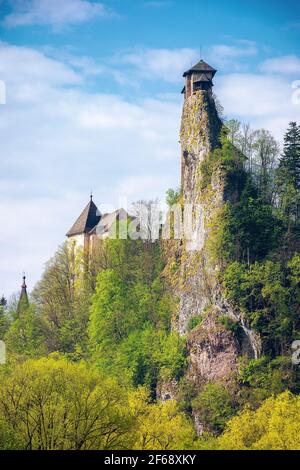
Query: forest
89, 350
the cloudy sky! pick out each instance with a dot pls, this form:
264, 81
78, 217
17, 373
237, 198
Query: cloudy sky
93, 102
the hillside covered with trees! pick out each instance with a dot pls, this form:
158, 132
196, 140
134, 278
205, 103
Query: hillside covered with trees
86, 359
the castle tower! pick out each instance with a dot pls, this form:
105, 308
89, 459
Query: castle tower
198, 77
23, 300
88, 219
200, 125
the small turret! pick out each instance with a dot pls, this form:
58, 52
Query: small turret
23, 300
198, 77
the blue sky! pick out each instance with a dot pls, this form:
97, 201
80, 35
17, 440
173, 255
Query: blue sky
93, 101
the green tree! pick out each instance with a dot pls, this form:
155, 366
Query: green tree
52, 404
251, 230
268, 296
273, 426
288, 176
63, 299
263, 377
233, 131
129, 331
266, 151
26, 334
172, 196
160, 426
114, 311
213, 406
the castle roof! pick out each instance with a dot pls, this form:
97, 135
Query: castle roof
108, 219
87, 220
201, 66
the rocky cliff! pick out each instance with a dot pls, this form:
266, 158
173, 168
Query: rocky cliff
204, 313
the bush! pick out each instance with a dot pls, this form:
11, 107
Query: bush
214, 406
229, 324
273, 426
193, 322
270, 376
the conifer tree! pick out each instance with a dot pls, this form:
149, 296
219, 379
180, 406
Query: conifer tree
288, 175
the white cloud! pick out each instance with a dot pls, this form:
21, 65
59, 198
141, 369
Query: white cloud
289, 64
223, 51
24, 65
53, 12
264, 100
224, 55
160, 64
169, 64
143, 184
87, 67
31, 236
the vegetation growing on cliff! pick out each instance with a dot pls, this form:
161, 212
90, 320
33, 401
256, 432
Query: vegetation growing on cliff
253, 240
259, 249
97, 339
261, 244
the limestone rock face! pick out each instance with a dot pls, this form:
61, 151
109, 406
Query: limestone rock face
167, 390
213, 349
200, 131
199, 134
212, 352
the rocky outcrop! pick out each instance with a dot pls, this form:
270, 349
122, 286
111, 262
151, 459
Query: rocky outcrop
216, 333
213, 350
199, 136
167, 390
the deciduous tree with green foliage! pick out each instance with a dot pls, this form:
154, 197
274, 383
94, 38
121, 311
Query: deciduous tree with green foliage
54, 404
273, 426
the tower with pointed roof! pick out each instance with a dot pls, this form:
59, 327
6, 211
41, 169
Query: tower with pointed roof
86, 222
197, 90
198, 77
23, 300
91, 224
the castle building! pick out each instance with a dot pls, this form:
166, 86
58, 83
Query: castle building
198, 80
198, 77
92, 225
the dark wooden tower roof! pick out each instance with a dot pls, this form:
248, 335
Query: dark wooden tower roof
201, 66
87, 220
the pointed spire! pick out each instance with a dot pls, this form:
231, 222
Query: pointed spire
23, 300
87, 220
